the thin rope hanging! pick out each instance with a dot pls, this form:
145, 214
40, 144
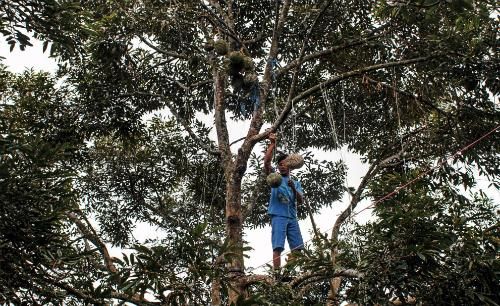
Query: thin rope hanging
294, 128
400, 130
328, 107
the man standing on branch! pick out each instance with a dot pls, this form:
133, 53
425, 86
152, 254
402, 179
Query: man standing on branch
282, 206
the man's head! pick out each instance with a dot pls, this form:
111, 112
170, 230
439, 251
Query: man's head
282, 167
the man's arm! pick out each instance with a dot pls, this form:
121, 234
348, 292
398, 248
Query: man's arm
269, 153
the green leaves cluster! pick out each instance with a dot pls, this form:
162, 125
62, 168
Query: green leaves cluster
407, 83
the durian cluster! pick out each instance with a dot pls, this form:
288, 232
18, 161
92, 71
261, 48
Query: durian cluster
239, 66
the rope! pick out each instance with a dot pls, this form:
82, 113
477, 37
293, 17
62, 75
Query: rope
400, 132
294, 128
395, 191
335, 136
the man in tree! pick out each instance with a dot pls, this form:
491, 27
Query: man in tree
282, 206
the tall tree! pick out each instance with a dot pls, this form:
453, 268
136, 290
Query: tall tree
403, 84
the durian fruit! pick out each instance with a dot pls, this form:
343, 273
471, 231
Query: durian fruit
236, 60
274, 180
294, 161
209, 45
221, 47
248, 64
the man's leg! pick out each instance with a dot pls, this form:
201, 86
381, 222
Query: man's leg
278, 226
294, 236
276, 259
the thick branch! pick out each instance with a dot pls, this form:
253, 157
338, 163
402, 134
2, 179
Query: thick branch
323, 274
253, 279
257, 120
220, 122
89, 233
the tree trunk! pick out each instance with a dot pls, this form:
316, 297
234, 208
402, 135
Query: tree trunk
234, 232
233, 175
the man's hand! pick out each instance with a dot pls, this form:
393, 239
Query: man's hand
269, 153
299, 196
272, 137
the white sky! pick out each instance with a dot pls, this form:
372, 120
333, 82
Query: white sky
258, 239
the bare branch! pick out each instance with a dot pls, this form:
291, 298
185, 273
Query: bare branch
237, 140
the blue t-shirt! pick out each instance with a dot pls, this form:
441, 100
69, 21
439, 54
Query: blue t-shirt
282, 201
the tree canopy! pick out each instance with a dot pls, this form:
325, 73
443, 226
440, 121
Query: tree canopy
410, 86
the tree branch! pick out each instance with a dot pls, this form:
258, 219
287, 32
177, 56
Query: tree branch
291, 90
220, 122
319, 54
257, 120
89, 233
325, 274
74, 292
223, 26
356, 72
253, 279
181, 120
165, 52
405, 93
286, 110
356, 197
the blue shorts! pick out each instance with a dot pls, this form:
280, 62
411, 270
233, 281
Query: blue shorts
284, 227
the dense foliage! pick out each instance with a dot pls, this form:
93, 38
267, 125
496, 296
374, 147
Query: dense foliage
404, 84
